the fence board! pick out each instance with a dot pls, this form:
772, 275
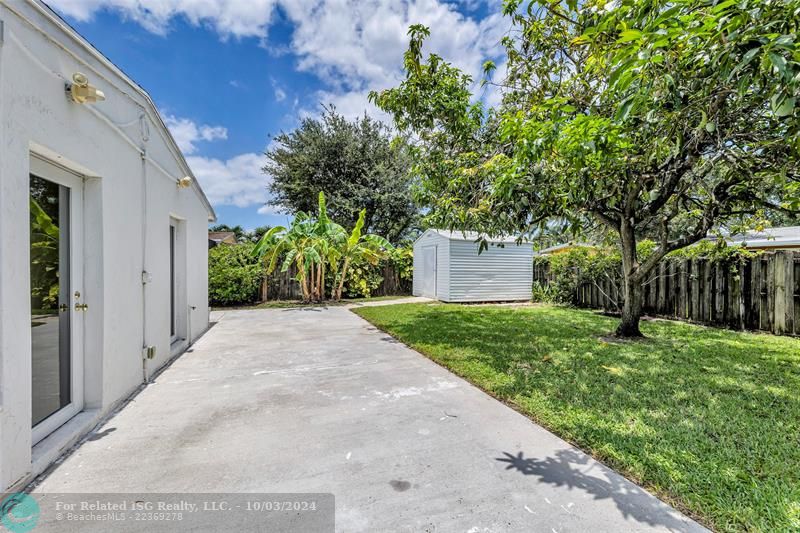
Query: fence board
758, 293
796, 277
284, 285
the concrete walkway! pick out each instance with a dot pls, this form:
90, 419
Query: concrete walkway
317, 400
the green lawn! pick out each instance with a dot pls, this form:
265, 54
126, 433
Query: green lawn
708, 419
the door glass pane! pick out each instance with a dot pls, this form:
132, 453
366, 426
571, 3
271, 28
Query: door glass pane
172, 281
50, 297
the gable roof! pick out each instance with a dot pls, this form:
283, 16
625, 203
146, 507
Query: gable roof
56, 19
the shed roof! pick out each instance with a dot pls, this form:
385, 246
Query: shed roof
471, 236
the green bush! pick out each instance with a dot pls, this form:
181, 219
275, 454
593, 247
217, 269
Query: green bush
568, 270
364, 278
234, 275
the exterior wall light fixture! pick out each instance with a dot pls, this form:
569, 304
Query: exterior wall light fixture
80, 92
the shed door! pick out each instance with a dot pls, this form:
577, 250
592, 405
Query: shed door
429, 271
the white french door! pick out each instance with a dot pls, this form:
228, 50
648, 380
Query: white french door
58, 306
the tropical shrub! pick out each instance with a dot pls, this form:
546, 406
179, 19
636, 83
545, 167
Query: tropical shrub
234, 275
567, 271
362, 280
319, 248
365, 278
403, 261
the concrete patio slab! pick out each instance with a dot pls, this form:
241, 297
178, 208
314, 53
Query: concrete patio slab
317, 400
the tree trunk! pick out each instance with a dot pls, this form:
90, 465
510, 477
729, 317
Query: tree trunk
303, 281
631, 284
320, 283
631, 309
341, 280
322, 280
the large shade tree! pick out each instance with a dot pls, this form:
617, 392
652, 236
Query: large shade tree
358, 164
657, 118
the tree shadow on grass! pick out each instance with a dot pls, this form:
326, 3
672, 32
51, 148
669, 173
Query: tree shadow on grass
677, 409
575, 471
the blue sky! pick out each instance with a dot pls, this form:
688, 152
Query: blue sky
228, 74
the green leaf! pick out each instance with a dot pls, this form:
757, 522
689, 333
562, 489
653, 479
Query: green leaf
782, 106
784, 41
748, 57
629, 35
624, 109
779, 62
722, 6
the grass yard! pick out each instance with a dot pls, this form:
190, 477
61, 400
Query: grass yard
708, 419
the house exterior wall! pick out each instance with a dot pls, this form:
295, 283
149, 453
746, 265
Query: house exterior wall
496, 274
430, 238
129, 165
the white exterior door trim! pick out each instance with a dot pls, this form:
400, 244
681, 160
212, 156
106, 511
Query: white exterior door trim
58, 174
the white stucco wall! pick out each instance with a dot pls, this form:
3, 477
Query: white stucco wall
130, 166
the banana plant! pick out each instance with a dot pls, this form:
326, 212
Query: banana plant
294, 244
360, 247
317, 246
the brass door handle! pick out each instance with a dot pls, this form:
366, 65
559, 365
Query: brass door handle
63, 307
81, 307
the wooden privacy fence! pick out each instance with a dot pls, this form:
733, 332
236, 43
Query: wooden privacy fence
284, 285
761, 293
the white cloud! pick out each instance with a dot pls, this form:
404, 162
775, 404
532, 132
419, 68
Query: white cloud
186, 133
229, 18
350, 104
238, 181
354, 46
280, 93
267, 210
358, 44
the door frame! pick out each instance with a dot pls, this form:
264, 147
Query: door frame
45, 169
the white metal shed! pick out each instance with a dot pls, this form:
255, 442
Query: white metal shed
447, 267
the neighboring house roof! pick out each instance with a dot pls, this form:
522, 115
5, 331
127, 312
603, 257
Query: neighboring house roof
227, 237
775, 238
469, 236
155, 116
562, 248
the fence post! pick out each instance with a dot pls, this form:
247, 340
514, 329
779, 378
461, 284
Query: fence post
783, 299
791, 319
708, 300
695, 296
683, 295
662, 289
772, 264
719, 292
